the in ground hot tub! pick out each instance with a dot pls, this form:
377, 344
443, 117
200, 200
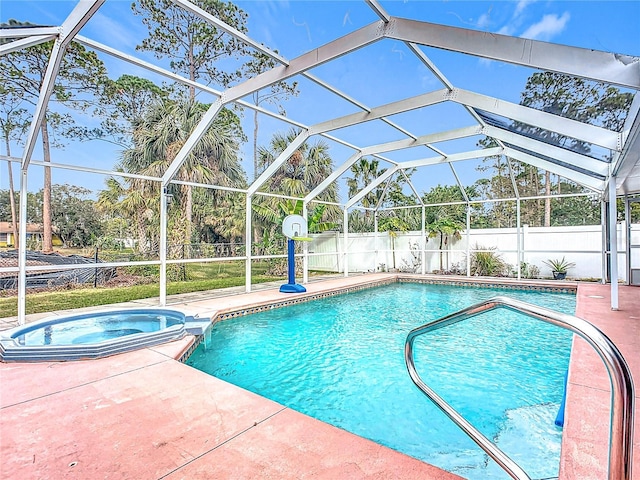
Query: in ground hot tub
91, 335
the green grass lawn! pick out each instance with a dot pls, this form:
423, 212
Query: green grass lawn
201, 277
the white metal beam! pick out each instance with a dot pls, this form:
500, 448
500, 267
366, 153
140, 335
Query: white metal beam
29, 32
87, 42
401, 106
424, 139
78, 17
274, 55
206, 16
27, 42
580, 178
555, 123
325, 53
178, 78
628, 160
566, 156
429, 64
613, 242
320, 55
356, 198
413, 189
22, 248
460, 185
376, 7
456, 157
623, 70
197, 133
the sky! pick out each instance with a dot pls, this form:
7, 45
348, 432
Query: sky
383, 72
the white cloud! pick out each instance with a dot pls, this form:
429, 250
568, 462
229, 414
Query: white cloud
111, 31
483, 20
506, 30
522, 4
550, 26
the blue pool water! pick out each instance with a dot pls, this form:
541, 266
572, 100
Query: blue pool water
341, 360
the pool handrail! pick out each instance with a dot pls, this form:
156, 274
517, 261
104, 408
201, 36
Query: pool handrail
622, 389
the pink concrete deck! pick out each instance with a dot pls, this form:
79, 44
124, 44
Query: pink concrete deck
586, 432
144, 415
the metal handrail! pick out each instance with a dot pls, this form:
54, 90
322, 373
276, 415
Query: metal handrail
622, 390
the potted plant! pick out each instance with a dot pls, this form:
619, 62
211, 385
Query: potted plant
559, 267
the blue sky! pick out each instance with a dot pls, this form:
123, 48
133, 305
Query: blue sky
381, 73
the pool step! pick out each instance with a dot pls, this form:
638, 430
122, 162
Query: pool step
531, 438
528, 435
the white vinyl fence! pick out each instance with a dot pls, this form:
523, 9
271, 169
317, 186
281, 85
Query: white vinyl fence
369, 252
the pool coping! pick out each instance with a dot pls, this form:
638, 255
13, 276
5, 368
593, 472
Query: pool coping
11, 350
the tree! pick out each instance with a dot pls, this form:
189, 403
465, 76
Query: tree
223, 220
388, 194
365, 171
118, 220
277, 92
577, 99
131, 200
23, 74
445, 222
302, 172
14, 122
193, 46
583, 210
158, 136
121, 104
315, 223
75, 217
444, 228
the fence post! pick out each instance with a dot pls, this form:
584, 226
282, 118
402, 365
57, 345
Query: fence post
95, 274
184, 267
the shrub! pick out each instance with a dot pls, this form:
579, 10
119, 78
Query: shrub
486, 262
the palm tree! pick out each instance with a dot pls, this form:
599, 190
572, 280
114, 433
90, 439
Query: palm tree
226, 217
130, 203
303, 171
158, 137
364, 172
444, 228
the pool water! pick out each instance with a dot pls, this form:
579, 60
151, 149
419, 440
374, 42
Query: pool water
341, 360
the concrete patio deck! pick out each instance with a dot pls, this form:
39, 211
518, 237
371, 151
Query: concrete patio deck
145, 415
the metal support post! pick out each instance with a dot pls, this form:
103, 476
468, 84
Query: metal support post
519, 238
163, 246
22, 251
613, 243
468, 240
248, 241
305, 249
345, 248
423, 268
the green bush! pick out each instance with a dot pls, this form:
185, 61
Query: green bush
487, 262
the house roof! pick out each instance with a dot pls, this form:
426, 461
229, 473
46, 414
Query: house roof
7, 227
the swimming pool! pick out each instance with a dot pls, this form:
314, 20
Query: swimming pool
91, 335
341, 360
